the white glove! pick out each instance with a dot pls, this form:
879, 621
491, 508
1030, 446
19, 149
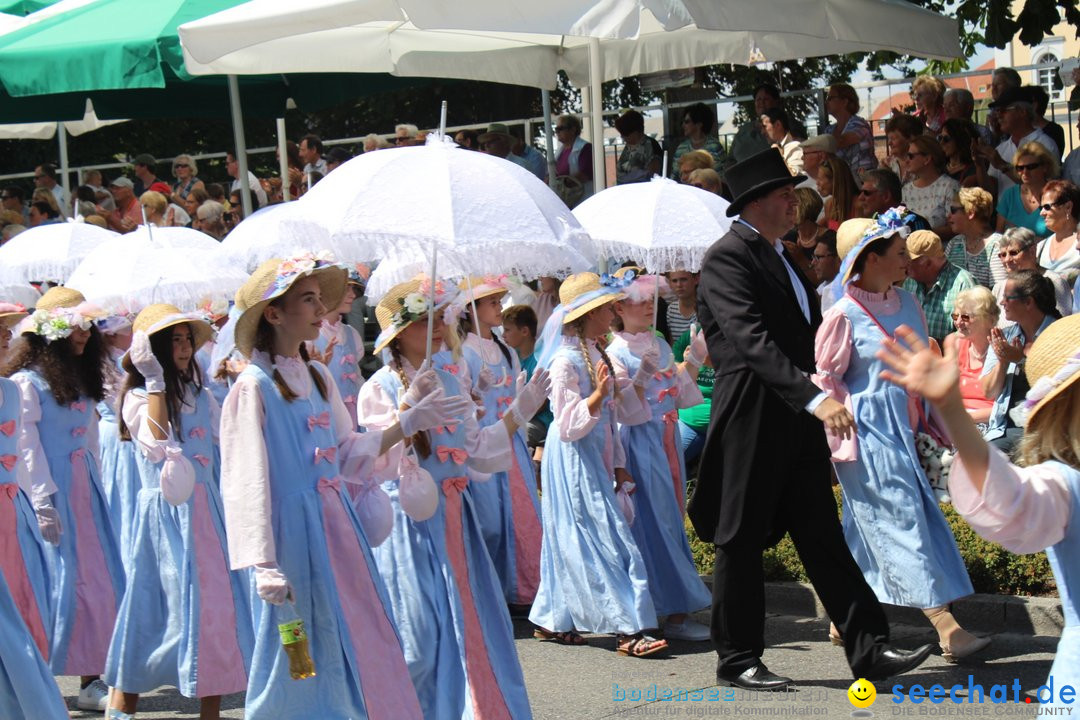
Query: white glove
425, 382
485, 380
271, 584
142, 357
650, 363
49, 523
530, 396
697, 351
433, 410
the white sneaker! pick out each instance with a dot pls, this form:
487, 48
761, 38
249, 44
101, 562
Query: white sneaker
686, 630
94, 696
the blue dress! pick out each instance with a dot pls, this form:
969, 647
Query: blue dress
185, 619
322, 549
343, 365
28, 690
445, 592
1065, 562
86, 573
592, 575
119, 474
658, 526
507, 504
892, 522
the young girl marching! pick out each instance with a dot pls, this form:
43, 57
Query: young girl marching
447, 598
287, 445
339, 346
184, 620
592, 576
1029, 507
649, 431
27, 687
60, 371
507, 505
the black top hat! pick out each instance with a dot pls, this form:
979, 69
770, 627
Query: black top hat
757, 175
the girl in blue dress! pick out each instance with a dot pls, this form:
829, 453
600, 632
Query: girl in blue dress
507, 504
447, 597
649, 432
339, 346
892, 522
1027, 507
60, 371
592, 575
184, 620
287, 446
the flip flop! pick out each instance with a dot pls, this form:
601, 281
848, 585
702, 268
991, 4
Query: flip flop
569, 637
639, 645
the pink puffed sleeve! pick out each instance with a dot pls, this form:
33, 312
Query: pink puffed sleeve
356, 451
1024, 509
376, 410
689, 392
632, 410
245, 476
39, 476
570, 408
832, 354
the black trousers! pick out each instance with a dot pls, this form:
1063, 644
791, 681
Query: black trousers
808, 510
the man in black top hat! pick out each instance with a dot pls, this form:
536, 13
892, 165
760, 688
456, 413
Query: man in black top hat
765, 468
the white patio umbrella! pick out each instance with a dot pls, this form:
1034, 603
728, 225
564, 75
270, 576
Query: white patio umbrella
48, 130
264, 235
51, 252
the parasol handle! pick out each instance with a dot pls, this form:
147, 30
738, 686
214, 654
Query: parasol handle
442, 119
431, 301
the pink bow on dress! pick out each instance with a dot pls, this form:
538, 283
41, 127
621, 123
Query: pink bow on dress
349, 376
445, 453
202, 460
8, 428
348, 359
452, 369
329, 454
198, 433
78, 431
79, 406
454, 484
321, 420
9, 489
671, 392
333, 483
8, 461
670, 416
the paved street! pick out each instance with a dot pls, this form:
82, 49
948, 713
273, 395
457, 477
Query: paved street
568, 683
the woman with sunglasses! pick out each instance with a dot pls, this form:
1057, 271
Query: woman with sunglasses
1017, 250
186, 172
955, 139
1021, 205
975, 246
975, 315
929, 190
1060, 211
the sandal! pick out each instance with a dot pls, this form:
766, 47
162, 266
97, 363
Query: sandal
834, 636
640, 645
569, 637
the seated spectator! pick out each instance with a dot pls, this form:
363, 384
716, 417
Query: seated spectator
210, 219
854, 138
836, 185
975, 244
105, 203
405, 134
807, 233
694, 420
519, 332
1015, 115
128, 213
186, 172
929, 94
1029, 304
959, 104
691, 161
699, 130
232, 167
10, 217
13, 198
1020, 205
900, 130
295, 170
750, 138
42, 213
144, 167
573, 158
336, 157
159, 212
825, 264
84, 195
682, 313
929, 191
11, 231
955, 139
469, 139
641, 156
815, 150
777, 126
195, 198
1003, 80
707, 179
934, 281
534, 160
881, 191
311, 154
1070, 169
216, 192
1060, 212
975, 315
1040, 99
1018, 250
93, 179
47, 197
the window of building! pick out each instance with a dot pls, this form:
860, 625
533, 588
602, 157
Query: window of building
1048, 77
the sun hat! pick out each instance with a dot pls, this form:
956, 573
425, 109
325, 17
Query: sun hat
405, 303
756, 176
578, 295
161, 316
825, 143
58, 313
495, 129
855, 235
924, 242
474, 288
359, 273
1052, 366
59, 297
11, 314
273, 278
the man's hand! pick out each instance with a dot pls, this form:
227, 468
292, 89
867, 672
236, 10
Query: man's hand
836, 417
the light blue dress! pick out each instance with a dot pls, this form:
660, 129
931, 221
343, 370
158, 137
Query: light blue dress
446, 595
892, 522
185, 619
27, 688
1065, 562
86, 573
592, 575
658, 526
507, 504
119, 474
344, 363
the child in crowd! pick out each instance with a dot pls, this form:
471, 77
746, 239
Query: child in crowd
339, 346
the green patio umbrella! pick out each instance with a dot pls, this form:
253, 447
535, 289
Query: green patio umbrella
24, 7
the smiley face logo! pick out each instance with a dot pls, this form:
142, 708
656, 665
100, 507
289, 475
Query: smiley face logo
862, 693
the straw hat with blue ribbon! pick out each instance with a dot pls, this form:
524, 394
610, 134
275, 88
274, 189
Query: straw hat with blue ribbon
854, 236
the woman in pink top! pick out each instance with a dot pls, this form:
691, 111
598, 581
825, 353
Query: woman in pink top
974, 314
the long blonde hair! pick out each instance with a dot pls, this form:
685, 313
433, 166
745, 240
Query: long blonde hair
421, 441
1054, 432
579, 329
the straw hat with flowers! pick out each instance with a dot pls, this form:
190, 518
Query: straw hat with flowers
161, 316
475, 287
1053, 364
404, 304
854, 236
58, 313
582, 293
11, 313
59, 297
273, 279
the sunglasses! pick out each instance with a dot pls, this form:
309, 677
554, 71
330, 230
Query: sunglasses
913, 155
1029, 166
1047, 207
944, 139
180, 165
1015, 297
1005, 254
961, 316
867, 191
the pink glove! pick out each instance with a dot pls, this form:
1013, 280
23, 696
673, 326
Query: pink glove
530, 397
650, 363
697, 351
144, 360
271, 584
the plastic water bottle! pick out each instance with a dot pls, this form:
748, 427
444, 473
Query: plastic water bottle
294, 641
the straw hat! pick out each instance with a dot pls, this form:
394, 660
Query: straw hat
482, 287
848, 236
11, 313
580, 284
60, 297
1053, 364
404, 304
161, 316
273, 279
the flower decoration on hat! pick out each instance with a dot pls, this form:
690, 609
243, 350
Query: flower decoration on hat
417, 304
213, 309
296, 266
1043, 387
58, 323
115, 319
618, 282
645, 287
891, 222
359, 273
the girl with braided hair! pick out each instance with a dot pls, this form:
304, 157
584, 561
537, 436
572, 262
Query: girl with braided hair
592, 575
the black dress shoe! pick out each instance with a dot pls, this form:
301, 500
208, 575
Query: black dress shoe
757, 677
894, 661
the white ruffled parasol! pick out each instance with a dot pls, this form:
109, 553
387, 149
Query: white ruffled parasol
264, 235
51, 252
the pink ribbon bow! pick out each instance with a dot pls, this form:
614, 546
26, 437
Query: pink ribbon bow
670, 416
9, 489
669, 373
349, 376
8, 461
348, 359
198, 433
8, 428
445, 429
452, 369
321, 420
672, 392
202, 460
333, 483
348, 399
505, 401
445, 453
79, 406
454, 484
78, 454
329, 454
78, 431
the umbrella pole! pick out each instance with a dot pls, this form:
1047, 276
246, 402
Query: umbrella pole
656, 302
663, 168
545, 101
283, 159
475, 317
241, 145
61, 135
596, 119
431, 301
146, 223
442, 119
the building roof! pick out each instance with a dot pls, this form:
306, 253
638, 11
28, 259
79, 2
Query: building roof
977, 84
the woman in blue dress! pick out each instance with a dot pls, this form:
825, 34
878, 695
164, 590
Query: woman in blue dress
287, 446
1026, 508
649, 431
339, 346
60, 371
447, 597
184, 620
592, 575
892, 522
506, 504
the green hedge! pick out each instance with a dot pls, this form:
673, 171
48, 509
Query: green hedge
992, 568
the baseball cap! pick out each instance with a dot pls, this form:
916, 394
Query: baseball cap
825, 143
122, 182
144, 159
1011, 96
924, 242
